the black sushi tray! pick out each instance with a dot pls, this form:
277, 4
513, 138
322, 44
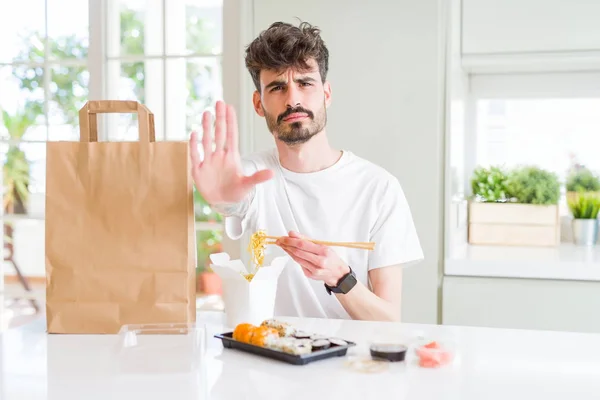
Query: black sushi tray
301, 359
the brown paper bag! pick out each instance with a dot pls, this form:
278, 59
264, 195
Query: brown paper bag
120, 236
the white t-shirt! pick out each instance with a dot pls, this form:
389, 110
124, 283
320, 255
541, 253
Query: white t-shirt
354, 200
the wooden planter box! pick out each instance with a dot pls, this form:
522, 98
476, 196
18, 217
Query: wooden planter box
512, 224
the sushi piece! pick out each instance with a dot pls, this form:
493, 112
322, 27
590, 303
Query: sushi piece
338, 342
243, 332
302, 335
263, 336
318, 337
280, 343
304, 342
283, 328
291, 345
300, 349
297, 347
320, 344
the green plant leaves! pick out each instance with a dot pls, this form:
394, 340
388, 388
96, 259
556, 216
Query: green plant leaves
533, 185
489, 184
582, 180
585, 205
525, 184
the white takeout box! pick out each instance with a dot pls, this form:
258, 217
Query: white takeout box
251, 302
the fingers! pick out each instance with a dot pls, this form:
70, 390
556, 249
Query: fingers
311, 258
307, 265
206, 135
307, 273
194, 154
302, 244
258, 177
232, 129
296, 235
220, 126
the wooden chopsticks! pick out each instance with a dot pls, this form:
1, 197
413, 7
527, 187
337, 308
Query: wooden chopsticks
351, 245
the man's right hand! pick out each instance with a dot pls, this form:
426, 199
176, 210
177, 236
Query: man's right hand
219, 176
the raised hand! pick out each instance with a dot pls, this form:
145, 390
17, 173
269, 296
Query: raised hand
219, 176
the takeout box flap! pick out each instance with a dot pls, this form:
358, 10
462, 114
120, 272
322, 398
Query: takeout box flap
227, 268
271, 271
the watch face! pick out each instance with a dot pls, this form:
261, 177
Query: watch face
347, 283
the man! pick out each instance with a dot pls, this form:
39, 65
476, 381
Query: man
304, 188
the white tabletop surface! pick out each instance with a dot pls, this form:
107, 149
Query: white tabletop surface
490, 364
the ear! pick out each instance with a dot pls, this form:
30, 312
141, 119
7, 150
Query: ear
257, 103
327, 90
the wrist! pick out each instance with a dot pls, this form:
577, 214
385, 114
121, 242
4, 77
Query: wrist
341, 272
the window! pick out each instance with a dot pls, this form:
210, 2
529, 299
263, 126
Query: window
44, 81
168, 58
516, 122
554, 134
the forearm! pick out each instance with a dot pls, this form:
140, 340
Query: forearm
235, 209
362, 304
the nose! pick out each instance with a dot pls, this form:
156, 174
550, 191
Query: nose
293, 97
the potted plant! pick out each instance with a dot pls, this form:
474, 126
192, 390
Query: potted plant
582, 179
516, 207
585, 207
16, 171
533, 185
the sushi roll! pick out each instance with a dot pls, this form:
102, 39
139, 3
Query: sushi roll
243, 332
320, 344
283, 328
318, 337
302, 335
291, 345
280, 343
304, 342
297, 347
338, 342
300, 349
263, 336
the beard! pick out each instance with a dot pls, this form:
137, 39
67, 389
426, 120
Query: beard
296, 132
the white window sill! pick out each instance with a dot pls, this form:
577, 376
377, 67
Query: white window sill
564, 262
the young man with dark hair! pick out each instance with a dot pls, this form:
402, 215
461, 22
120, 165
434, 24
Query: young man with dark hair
304, 188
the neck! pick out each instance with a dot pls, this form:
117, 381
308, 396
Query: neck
312, 156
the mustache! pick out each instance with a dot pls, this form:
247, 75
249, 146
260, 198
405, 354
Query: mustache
291, 111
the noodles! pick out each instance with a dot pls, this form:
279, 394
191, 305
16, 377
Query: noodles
256, 248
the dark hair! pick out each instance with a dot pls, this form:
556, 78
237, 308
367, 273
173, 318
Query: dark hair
283, 46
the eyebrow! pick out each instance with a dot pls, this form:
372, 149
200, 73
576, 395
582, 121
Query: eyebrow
281, 82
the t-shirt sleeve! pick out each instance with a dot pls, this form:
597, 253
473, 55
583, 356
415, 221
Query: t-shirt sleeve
394, 232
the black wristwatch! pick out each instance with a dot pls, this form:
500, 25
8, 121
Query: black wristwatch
344, 285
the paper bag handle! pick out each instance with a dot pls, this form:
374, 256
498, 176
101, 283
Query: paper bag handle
88, 121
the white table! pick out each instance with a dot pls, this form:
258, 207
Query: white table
491, 364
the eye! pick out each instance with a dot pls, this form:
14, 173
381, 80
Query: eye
305, 84
275, 88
